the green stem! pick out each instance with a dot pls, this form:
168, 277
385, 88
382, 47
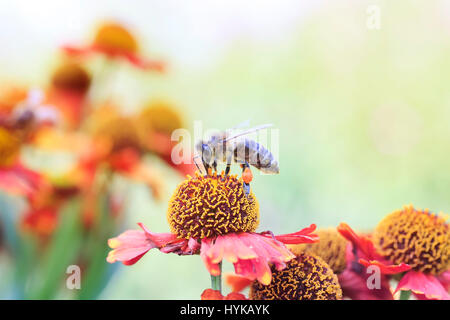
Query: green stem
404, 295
216, 281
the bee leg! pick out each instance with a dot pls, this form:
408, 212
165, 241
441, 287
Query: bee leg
206, 168
214, 165
228, 168
246, 183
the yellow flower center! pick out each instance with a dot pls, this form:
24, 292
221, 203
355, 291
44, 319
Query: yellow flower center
331, 248
307, 277
120, 132
114, 37
203, 207
71, 76
416, 237
9, 147
161, 117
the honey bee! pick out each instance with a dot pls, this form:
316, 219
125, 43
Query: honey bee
225, 147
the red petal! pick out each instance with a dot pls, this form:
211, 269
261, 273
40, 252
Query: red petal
210, 294
131, 245
213, 268
362, 243
235, 296
444, 278
423, 284
303, 236
251, 254
134, 260
237, 283
145, 64
385, 268
20, 180
77, 51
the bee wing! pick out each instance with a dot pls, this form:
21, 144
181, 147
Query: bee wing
231, 131
243, 124
251, 130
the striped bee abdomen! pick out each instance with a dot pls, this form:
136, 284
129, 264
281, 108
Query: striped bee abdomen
250, 151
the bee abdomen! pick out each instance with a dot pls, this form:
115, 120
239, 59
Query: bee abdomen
256, 155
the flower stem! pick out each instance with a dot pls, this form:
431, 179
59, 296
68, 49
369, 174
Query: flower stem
404, 295
216, 281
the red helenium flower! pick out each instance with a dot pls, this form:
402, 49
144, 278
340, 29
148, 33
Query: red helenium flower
251, 253
423, 284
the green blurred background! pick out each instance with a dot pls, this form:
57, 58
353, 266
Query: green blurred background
363, 113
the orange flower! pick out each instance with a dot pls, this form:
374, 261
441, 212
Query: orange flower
155, 124
116, 143
116, 42
69, 86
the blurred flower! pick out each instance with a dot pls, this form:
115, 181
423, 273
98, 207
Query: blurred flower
126, 140
227, 232
306, 277
119, 133
155, 124
115, 41
417, 241
69, 86
160, 116
122, 150
15, 178
72, 77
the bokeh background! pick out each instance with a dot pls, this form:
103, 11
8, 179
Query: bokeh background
363, 114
